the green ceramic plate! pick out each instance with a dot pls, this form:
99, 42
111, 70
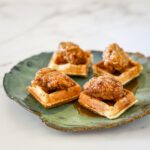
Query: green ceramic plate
72, 117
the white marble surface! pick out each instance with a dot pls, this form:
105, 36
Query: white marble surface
28, 27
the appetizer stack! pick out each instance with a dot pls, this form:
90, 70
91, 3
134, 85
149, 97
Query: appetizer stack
103, 94
71, 60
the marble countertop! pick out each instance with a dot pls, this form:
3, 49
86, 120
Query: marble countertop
29, 27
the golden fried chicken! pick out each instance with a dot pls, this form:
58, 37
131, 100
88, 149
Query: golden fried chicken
63, 46
71, 53
51, 80
60, 59
105, 87
115, 59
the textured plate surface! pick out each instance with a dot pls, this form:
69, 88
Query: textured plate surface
72, 117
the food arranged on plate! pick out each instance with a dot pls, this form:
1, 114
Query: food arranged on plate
106, 96
52, 88
72, 89
71, 59
103, 95
118, 64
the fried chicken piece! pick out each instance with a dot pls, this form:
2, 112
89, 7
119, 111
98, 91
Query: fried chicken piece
60, 59
105, 87
71, 53
63, 46
75, 56
115, 59
51, 80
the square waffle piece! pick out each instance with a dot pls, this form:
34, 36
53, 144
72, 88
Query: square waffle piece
72, 69
104, 108
54, 98
124, 77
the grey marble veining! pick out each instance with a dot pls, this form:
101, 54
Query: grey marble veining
92, 23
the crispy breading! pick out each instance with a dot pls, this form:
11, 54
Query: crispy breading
52, 80
67, 45
105, 87
115, 59
71, 53
60, 59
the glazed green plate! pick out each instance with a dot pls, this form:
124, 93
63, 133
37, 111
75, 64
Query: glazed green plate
71, 116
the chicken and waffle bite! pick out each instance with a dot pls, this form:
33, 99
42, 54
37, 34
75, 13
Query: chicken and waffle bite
71, 59
106, 96
118, 64
52, 88
103, 95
